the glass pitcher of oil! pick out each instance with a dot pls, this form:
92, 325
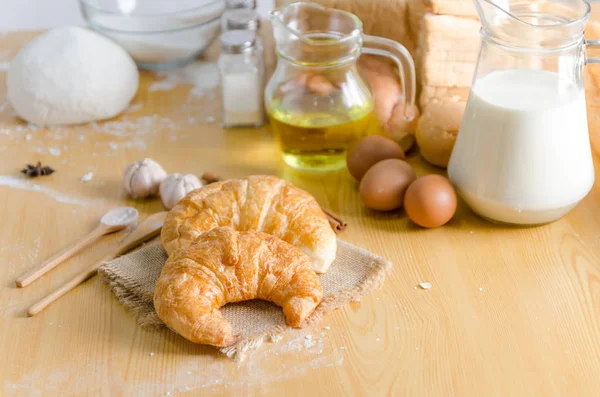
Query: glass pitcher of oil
317, 101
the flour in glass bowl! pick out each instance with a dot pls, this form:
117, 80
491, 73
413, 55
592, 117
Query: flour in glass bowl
154, 35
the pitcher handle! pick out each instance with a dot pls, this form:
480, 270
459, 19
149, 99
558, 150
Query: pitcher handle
406, 66
592, 44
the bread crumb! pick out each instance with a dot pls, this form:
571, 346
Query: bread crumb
28, 137
54, 151
151, 354
480, 289
327, 327
87, 177
425, 285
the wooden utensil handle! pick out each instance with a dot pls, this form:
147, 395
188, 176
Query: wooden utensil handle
60, 257
68, 286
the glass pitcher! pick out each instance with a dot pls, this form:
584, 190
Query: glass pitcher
316, 99
522, 155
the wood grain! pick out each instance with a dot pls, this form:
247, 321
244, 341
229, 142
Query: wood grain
512, 311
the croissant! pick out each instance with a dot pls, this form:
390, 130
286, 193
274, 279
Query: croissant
223, 266
257, 203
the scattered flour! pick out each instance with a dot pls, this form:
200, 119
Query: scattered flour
140, 126
23, 184
54, 151
203, 76
309, 342
87, 177
136, 143
213, 373
26, 127
133, 108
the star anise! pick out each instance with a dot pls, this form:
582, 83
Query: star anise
36, 170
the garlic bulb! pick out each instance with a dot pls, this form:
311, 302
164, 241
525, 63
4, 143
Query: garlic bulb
177, 186
142, 178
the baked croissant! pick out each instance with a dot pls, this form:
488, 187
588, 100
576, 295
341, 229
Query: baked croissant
258, 203
223, 266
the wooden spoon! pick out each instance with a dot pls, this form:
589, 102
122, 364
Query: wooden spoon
149, 228
112, 221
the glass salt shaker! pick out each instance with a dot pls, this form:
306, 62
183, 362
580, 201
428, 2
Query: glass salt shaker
241, 70
231, 6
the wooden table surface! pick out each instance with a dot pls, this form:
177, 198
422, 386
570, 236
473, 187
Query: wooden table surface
511, 311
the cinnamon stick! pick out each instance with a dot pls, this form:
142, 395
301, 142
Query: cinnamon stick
209, 177
338, 224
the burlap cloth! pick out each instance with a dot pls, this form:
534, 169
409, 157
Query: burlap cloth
354, 273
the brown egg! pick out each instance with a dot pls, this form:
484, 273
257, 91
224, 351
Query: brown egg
383, 186
369, 151
430, 201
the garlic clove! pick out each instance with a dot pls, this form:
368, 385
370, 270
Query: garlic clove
176, 186
142, 178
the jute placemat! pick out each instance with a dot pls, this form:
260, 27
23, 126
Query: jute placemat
354, 273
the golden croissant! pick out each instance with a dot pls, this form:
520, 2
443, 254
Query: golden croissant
258, 203
223, 266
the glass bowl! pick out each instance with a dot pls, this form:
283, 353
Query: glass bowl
158, 34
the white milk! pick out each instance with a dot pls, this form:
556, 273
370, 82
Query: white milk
523, 152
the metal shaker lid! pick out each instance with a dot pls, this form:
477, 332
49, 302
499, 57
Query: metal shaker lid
242, 19
232, 4
236, 41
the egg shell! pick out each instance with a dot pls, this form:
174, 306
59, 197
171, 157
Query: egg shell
369, 151
430, 201
384, 185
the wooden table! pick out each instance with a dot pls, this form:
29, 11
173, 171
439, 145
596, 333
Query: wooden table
511, 311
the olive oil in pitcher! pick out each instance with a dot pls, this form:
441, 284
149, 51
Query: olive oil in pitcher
318, 141
318, 102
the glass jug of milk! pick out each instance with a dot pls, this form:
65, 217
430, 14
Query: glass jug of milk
522, 155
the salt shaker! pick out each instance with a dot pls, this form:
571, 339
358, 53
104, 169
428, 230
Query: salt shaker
231, 6
241, 69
